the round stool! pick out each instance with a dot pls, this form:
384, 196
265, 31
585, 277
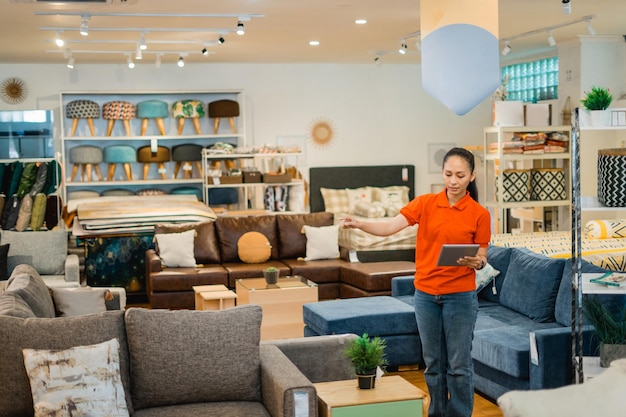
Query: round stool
86, 156
188, 191
152, 109
82, 109
120, 154
145, 155
188, 109
184, 155
224, 108
118, 110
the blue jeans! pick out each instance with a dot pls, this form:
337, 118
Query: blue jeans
446, 327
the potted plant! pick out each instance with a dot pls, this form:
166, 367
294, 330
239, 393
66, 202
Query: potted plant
367, 355
610, 329
596, 101
271, 275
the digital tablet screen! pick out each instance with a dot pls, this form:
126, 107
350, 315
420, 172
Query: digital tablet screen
450, 253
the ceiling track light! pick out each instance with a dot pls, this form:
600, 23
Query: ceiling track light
130, 62
220, 40
181, 62
551, 40
70, 62
590, 28
507, 48
567, 6
142, 43
157, 61
59, 40
138, 53
240, 29
84, 27
204, 51
402, 49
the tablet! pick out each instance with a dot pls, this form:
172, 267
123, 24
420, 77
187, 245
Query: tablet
450, 253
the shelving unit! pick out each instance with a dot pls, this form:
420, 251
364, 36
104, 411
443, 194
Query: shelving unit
543, 215
26, 135
152, 138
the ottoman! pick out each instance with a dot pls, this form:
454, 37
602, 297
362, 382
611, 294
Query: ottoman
82, 109
384, 316
152, 109
223, 108
86, 157
184, 155
120, 154
188, 109
119, 110
147, 157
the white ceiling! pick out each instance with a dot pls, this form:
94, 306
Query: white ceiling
281, 36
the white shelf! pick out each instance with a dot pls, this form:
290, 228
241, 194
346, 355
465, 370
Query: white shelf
591, 203
151, 137
527, 157
119, 183
528, 204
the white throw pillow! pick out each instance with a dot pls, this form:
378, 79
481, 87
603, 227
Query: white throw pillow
356, 195
395, 194
485, 276
176, 249
80, 381
71, 302
321, 242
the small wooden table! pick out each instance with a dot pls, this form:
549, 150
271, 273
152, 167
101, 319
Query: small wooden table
281, 303
393, 396
213, 297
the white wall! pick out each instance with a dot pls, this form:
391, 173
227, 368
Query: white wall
380, 112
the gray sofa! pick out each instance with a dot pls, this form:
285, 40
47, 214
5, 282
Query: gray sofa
174, 363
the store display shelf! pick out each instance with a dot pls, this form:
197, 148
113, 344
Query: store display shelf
528, 157
153, 182
151, 137
530, 203
591, 203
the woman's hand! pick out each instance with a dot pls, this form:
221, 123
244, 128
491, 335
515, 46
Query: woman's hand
474, 262
349, 222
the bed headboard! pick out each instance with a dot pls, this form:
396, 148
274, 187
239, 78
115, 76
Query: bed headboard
358, 176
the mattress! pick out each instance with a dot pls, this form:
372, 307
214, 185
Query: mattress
605, 253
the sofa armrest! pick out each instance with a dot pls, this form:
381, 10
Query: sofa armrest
402, 286
153, 261
72, 268
553, 367
286, 391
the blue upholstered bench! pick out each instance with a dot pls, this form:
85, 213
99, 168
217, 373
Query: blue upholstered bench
383, 316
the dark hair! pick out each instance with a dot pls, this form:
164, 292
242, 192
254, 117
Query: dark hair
469, 157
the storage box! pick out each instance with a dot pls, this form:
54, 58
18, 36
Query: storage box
538, 114
251, 176
508, 113
547, 184
275, 178
515, 184
225, 179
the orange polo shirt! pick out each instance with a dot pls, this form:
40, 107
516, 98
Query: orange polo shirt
439, 223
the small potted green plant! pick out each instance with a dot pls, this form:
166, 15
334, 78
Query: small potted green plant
596, 101
367, 355
610, 329
271, 275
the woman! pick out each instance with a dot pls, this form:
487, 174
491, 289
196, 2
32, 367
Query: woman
445, 297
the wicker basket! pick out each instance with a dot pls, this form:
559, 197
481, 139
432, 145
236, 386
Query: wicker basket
611, 174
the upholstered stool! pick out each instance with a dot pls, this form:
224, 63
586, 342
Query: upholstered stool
188, 191
86, 156
82, 109
120, 154
184, 155
188, 109
145, 155
152, 109
118, 110
224, 108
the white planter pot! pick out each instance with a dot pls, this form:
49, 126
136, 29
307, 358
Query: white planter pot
599, 118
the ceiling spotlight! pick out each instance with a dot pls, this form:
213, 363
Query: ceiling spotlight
377, 60
360, 21
240, 29
314, 43
220, 40
567, 6
142, 43
130, 62
181, 62
70, 62
59, 40
84, 28
507, 48
205, 51
590, 28
402, 49
157, 61
551, 40
138, 54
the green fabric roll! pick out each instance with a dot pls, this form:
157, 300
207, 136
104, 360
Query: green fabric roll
39, 211
29, 174
18, 167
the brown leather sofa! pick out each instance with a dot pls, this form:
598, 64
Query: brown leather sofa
215, 250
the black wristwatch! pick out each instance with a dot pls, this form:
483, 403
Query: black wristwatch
482, 264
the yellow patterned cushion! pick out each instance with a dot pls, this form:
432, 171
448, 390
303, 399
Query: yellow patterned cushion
605, 229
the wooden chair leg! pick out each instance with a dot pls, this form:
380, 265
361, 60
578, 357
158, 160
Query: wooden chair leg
188, 170
181, 125
111, 173
160, 125
92, 129
82, 172
146, 170
74, 126
144, 126
110, 125
199, 166
233, 127
196, 125
216, 125
98, 172
128, 171
162, 170
177, 168
74, 170
127, 128
88, 169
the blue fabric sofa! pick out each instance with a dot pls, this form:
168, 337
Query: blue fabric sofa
531, 304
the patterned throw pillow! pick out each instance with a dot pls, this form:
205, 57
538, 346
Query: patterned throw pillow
605, 229
335, 201
485, 276
83, 380
357, 195
373, 210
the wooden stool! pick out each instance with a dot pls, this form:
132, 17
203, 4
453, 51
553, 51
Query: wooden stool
152, 109
188, 109
184, 155
145, 155
120, 154
224, 108
118, 110
82, 109
86, 156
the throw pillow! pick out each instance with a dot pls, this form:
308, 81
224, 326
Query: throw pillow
176, 249
83, 380
485, 276
605, 229
370, 210
335, 201
4, 253
395, 194
321, 242
253, 248
72, 302
205, 247
356, 195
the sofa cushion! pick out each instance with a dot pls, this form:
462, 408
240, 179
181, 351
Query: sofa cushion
26, 284
176, 249
499, 258
46, 251
292, 242
321, 242
230, 229
206, 250
57, 334
71, 302
191, 364
11, 304
531, 284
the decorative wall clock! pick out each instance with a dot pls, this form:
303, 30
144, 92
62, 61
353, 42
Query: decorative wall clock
322, 132
13, 90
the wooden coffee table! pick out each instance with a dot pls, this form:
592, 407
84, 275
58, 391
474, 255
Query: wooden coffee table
213, 297
393, 396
